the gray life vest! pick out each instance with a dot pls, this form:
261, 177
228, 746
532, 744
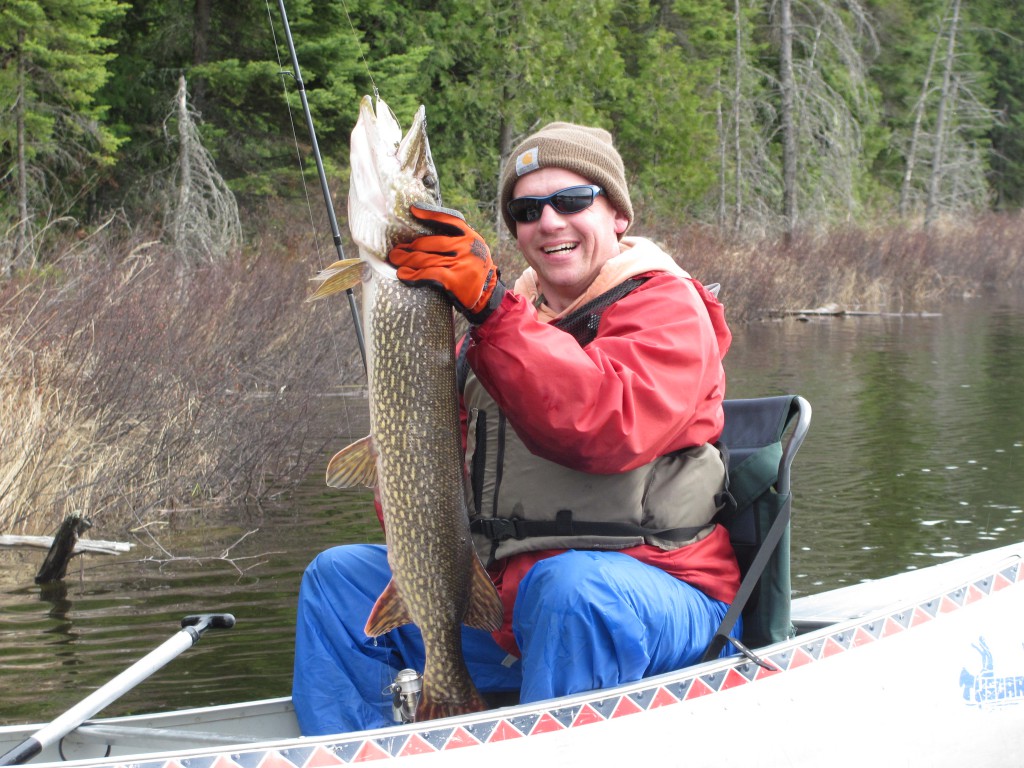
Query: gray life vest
520, 502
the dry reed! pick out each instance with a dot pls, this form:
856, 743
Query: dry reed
881, 269
131, 387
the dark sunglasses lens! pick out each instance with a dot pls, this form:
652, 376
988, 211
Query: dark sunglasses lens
572, 200
525, 209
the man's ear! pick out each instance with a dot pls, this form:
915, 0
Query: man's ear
621, 223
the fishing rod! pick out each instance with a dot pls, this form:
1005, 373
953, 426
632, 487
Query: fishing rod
335, 232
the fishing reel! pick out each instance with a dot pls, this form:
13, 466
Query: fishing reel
405, 695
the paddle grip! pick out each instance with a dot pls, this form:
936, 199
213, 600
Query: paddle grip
198, 623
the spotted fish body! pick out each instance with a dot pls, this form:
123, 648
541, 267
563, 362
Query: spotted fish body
413, 454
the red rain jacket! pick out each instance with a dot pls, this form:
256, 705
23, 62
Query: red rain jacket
650, 383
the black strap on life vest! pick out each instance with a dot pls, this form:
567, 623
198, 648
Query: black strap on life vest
462, 363
499, 529
582, 323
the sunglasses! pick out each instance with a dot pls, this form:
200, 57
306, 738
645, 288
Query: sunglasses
568, 200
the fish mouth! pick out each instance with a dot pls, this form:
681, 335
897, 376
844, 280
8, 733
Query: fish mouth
411, 151
379, 123
389, 173
415, 158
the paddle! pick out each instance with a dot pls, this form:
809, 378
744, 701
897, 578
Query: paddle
192, 628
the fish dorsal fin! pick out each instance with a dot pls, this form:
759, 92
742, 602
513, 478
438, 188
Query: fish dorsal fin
339, 276
353, 465
484, 610
388, 612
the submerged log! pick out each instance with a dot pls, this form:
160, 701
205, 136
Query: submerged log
55, 566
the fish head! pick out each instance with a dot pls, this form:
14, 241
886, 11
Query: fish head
389, 173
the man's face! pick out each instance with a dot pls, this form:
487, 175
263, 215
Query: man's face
566, 250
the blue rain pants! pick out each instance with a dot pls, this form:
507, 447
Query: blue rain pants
583, 620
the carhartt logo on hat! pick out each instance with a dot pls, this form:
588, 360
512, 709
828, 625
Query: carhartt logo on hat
527, 161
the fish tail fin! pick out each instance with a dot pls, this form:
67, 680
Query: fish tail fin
339, 276
355, 464
431, 708
484, 610
388, 612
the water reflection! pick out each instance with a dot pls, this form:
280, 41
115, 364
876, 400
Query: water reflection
916, 441
914, 455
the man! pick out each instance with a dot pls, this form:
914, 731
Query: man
593, 395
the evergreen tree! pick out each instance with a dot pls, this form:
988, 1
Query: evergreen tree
906, 36
52, 135
154, 42
689, 88
510, 67
999, 34
674, 52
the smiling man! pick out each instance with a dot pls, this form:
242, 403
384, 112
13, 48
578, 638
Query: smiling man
592, 392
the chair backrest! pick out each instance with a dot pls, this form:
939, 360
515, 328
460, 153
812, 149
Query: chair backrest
760, 458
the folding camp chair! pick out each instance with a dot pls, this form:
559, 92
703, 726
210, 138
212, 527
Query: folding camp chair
758, 521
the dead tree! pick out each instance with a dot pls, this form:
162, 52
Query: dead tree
201, 216
787, 85
940, 119
915, 134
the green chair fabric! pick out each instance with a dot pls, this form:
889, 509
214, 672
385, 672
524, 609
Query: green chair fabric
758, 516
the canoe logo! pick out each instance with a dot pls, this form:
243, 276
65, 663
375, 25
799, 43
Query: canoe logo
987, 689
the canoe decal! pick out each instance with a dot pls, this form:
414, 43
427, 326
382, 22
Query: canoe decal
988, 689
978, 690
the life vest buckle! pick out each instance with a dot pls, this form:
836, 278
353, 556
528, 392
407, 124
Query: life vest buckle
500, 528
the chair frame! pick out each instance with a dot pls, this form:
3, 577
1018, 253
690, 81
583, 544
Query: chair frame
797, 421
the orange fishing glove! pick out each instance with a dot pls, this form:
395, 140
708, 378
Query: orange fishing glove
455, 260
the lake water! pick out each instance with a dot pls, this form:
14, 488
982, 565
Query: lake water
915, 456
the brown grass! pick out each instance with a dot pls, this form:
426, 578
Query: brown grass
892, 269
131, 387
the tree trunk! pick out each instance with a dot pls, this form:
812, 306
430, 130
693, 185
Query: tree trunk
722, 153
184, 162
940, 120
55, 565
737, 101
200, 47
21, 238
915, 134
789, 144
504, 150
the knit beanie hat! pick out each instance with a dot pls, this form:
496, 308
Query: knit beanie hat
577, 148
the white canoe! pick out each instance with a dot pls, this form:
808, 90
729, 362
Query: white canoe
922, 668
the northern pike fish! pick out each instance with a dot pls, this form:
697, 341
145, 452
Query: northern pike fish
413, 454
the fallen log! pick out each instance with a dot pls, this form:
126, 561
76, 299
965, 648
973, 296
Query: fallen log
834, 310
62, 547
96, 546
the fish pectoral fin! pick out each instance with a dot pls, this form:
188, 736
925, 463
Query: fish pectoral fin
388, 612
339, 276
484, 610
353, 465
